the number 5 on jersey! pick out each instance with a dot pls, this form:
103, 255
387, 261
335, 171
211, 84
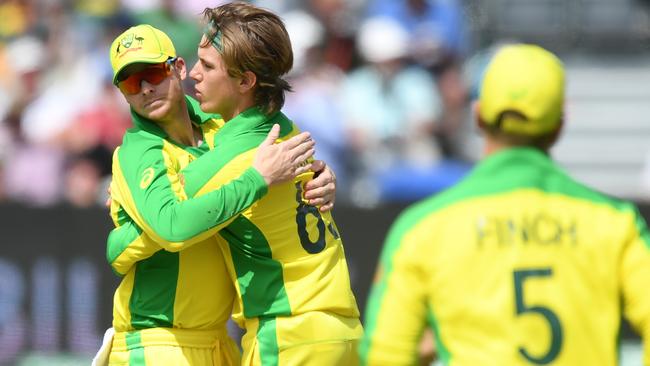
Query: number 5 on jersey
521, 309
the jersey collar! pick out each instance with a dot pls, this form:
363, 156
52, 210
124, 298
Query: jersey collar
254, 120
514, 159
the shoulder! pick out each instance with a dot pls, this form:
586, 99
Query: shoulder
574, 189
138, 141
415, 214
138, 147
288, 128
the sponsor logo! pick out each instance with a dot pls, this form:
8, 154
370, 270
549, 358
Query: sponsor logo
147, 178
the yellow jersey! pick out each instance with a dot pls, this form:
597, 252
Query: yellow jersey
517, 265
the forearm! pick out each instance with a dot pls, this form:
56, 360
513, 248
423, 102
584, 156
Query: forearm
127, 245
179, 223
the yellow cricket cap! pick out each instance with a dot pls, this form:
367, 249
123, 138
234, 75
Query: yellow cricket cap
526, 79
142, 43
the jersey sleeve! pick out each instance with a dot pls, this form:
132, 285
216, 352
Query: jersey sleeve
126, 245
150, 189
635, 277
397, 306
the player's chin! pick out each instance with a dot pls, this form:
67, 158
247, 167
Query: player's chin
158, 113
206, 106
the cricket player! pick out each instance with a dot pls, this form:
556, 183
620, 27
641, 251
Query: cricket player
172, 304
286, 258
519, 264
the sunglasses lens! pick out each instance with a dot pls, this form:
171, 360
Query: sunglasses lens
130, 85
153, 75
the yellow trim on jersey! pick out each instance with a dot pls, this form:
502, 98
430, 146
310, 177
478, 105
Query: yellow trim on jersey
121, 299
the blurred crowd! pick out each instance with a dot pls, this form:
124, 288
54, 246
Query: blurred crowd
378, 83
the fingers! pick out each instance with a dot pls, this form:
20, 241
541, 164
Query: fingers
324, 201
317, 201
272, 136
302, 150
325, 176
321, 191
317, 166
323, 204
301, 159
297, 140
326, 207
324, 192
301, 169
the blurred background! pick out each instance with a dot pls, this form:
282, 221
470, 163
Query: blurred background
384, 86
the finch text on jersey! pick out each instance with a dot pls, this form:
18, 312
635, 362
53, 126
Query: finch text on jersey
538, 228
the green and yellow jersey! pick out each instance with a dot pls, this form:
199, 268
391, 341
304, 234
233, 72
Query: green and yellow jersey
169, 282
518, 264
284, 257
287, 257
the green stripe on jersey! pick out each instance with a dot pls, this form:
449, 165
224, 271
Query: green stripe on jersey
517, 169
267, 341
136, 351
154, 291
259, 277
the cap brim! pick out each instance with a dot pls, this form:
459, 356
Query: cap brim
140, 59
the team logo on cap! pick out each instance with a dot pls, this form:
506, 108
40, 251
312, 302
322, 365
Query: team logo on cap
127, 42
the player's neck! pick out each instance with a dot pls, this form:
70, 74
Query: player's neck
179, 126
244, 104
492, 146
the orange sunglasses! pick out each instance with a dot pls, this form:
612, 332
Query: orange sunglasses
154, 74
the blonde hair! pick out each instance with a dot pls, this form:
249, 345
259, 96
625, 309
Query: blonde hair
252, 39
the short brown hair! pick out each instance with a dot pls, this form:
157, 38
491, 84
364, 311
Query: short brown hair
252, 39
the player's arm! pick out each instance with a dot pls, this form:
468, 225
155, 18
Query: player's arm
132, 244
126, 245
154, 197
635, 277
397, 306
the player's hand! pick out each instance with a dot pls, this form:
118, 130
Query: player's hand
286, 160
321, 191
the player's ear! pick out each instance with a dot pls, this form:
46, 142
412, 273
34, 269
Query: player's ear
180, 67
247, 82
